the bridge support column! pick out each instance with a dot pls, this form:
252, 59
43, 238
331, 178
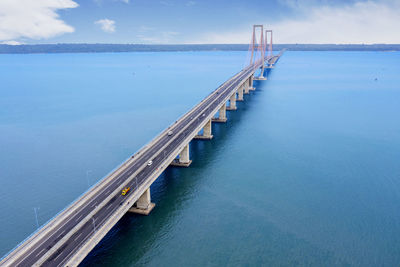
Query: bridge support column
246, 88
221, 115
206, 132
183, 160
261, 77
251, 83
143, 205
270, 66
232, 102
240, 93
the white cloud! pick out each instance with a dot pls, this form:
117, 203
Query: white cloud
107, 25
361, 22
34, 19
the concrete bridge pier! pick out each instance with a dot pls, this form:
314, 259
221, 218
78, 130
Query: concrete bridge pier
221, 114
183, 160
143, 205
206, 132
232, 102
251, 78
261, 77
240, 93
246, 87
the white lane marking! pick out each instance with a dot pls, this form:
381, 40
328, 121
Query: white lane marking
108, 192
40, 252
78, 236
109, 206
58, 255
80, 216
62, 233
94, 204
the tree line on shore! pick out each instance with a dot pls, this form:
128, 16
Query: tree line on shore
100, 48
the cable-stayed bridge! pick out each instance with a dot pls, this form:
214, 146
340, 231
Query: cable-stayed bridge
69, 237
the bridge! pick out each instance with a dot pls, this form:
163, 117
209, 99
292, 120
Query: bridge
69, 237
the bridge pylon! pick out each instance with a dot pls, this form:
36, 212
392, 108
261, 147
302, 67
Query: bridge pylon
258, 48
269, 52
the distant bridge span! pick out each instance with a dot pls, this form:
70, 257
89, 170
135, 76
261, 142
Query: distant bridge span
69, 237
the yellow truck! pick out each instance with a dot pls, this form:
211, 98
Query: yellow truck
125, 190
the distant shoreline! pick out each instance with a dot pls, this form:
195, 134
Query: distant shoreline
116, 48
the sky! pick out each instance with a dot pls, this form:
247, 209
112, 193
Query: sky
198, 21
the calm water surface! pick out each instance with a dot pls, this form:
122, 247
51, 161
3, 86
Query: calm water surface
305, 173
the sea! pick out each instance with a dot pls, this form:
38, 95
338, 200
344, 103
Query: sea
306, 172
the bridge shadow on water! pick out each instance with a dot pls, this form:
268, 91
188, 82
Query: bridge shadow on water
135, 235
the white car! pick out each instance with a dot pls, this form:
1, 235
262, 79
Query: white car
170, 133
149, 163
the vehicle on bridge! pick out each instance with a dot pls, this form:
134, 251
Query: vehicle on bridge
125, 190
170, 133
149, 163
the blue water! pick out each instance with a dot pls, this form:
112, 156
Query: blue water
305, 172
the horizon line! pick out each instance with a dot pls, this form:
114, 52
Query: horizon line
364, 44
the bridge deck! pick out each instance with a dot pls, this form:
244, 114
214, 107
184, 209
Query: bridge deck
72, 234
